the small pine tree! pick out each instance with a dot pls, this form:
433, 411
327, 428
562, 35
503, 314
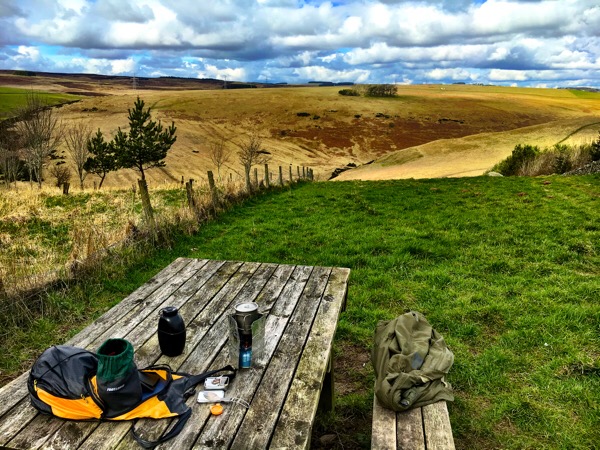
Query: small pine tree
147, 143
103, 160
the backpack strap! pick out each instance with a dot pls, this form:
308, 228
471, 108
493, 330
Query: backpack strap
191, 382
181, 421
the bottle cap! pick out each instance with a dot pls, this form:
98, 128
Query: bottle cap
216, 409
169, 311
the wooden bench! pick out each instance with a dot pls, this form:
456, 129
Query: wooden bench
283, 389
425, 428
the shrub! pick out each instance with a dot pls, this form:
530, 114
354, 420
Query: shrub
61, 174
381, 90
521, 155
595, 150
562, 160
349, 92
303, 114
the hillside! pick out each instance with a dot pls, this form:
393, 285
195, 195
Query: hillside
426, 131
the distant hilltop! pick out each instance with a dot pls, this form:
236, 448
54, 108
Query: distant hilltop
140, 82
581, 88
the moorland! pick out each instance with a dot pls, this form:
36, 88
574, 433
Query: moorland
425, 131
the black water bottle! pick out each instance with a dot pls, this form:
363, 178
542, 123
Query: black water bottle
171, 332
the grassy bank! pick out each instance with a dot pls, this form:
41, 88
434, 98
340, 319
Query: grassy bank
506, 269
11, 99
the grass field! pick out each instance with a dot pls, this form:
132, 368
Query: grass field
11, 99
506, 269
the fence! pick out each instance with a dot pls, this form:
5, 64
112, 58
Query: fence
203, 201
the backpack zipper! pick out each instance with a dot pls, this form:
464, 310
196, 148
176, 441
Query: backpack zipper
95, 397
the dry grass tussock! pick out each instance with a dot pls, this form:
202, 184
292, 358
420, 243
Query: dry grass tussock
557, 159
40, 236
48, 238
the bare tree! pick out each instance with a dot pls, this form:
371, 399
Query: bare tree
41, 133
10, 164
76, 138
61, 173
251, 153
219, 155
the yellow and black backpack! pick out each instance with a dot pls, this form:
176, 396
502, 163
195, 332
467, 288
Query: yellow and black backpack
74, 383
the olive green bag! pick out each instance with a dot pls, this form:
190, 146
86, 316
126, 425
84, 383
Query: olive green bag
411, 361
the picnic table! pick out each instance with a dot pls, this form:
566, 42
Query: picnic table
283, 389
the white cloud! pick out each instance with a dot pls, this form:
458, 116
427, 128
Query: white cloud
320, 73
369, 39
31, 54
227, 73
499, 54
507, 75
122, 66
451, 74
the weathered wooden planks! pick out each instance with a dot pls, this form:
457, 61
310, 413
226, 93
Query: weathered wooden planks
295, 422
426, 428
257, 426
383, 435
303, 304
436, 423
12, 393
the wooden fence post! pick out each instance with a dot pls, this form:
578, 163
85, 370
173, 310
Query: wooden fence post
256, 177
190, 193
280, 176
298, 168
303, 172
148, 212
267, 181
291, 177
248, 182
213, 189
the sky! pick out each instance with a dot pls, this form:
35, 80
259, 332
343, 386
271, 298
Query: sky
539, 43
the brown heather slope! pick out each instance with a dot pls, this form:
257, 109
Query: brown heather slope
426, 131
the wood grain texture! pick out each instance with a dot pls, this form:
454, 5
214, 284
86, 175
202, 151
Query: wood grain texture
302, 305
383, 435
409, 430
255, 431
141, 326
199, 359
426, 428
294, 427
220, 432
436, 423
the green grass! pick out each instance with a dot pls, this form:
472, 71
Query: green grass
585, 94
506, 269
11, 99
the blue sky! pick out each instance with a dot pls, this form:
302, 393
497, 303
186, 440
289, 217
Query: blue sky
543, 43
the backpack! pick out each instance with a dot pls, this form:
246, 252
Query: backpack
68, 382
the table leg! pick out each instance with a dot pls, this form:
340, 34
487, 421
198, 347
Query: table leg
326, 401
